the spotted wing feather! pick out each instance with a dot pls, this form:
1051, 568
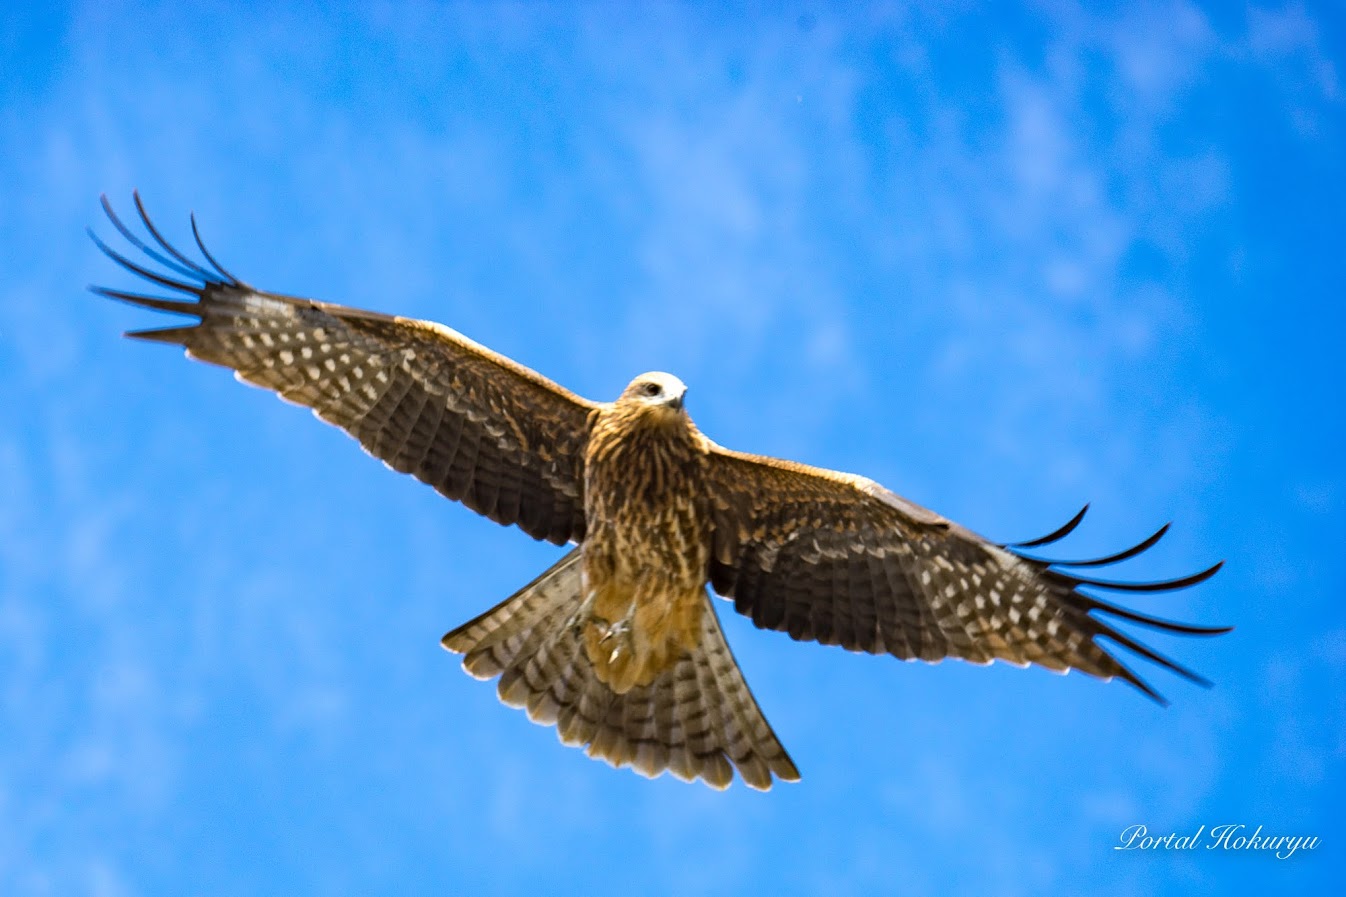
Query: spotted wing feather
426, 400
837, 559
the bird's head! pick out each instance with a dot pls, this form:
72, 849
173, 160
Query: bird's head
655, 393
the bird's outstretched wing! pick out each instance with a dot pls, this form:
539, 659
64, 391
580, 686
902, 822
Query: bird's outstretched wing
476, 426
837, 559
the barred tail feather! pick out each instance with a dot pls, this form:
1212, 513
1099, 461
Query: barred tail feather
697, 719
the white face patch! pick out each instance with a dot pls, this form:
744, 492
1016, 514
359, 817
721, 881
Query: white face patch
655, 387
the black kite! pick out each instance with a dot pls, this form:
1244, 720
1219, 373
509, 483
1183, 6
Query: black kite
618, 644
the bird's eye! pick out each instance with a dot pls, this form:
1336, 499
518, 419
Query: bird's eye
651, 389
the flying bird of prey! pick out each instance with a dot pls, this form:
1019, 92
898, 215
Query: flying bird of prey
618, 644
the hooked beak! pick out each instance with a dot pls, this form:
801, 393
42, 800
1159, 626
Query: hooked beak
676, 401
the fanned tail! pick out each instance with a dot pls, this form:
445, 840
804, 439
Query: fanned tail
697, 719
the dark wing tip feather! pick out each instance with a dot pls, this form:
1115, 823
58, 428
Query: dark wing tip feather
173, 306
1071, 583
183, 267
200, 244
1091, 603
195, 278
176, 336
1131, 678
1118, 557
1139, 548
159, 238
1054, 536
1126, 674
1163, 585
1152, 655
1105, 629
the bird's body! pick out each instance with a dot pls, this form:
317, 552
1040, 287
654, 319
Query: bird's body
618, 644
647, 534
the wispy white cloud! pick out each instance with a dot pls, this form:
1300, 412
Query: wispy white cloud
1289, 34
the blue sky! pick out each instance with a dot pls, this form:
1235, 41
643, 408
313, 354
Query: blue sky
1005, 264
